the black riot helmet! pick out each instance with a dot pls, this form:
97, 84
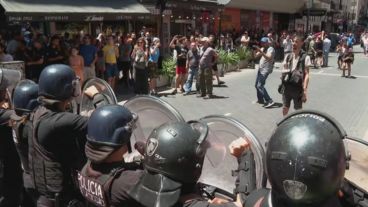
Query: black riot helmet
109, 128
58, 83
177, 150
306, 159
25, 97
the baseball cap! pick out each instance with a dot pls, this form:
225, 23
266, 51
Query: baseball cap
265, 40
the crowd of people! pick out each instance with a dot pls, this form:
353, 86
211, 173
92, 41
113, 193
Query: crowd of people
110, 57
135, 61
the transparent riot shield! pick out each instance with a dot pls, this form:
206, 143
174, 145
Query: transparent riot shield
87, 104
9, 79
357, 175
225, 130
152, 112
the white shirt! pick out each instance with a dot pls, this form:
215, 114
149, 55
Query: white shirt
288, 45
326, 45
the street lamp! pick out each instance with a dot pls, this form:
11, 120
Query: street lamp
309, 6
222, 4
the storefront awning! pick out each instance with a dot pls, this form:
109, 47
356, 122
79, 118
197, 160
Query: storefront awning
72, 10
281, 6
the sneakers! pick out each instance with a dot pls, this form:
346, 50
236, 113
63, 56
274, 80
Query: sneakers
221, 82
269, 104
174, 92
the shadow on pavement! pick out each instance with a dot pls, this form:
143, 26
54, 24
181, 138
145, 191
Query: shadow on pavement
220, 86
216, 97
275, 106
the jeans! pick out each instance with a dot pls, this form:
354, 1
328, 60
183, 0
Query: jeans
262, 94
325, 58
192, 74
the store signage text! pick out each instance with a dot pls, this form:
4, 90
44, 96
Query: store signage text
20, 18
56, 18
93, 18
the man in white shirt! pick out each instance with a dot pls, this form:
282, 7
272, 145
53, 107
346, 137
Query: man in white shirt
326, 50
287, 44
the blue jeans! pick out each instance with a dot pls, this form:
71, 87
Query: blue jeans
192, 74
325, 58
262, 94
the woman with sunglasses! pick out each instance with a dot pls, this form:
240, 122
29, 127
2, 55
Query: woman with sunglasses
139, 58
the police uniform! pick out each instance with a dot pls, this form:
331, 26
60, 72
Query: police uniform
57, 137
56, 153
173, 162
10, 167
24, 102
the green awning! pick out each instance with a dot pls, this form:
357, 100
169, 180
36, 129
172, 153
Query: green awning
71, 10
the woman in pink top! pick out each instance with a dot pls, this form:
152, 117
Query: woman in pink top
76, 62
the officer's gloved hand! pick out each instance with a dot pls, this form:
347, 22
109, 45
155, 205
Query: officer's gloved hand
91, 91
140, 147
237, 147
346, 195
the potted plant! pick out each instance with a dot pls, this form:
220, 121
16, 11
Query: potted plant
167, 72
223, 61
244, 55
233, 60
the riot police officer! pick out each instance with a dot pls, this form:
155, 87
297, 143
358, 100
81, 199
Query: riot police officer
57, 137
10, 168
108, 139
24, 102
173, 161
305, 163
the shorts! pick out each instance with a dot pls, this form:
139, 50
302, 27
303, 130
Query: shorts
292, 94
111, 70
152, 70
181, 70
214, 67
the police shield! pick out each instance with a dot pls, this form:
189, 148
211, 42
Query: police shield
219, 175
9, 79
152, 112
357, 175
104, 96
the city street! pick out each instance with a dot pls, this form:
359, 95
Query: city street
345, 99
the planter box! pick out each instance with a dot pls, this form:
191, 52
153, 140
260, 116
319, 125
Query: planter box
243, 64
162, 80
221, 69
232, 67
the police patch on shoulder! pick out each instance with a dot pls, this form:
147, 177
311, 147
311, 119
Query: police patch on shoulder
295, 189
152, 145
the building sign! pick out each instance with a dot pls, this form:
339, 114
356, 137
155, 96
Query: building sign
57, 18
74, 17
315, 12
94, 18
19, 18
